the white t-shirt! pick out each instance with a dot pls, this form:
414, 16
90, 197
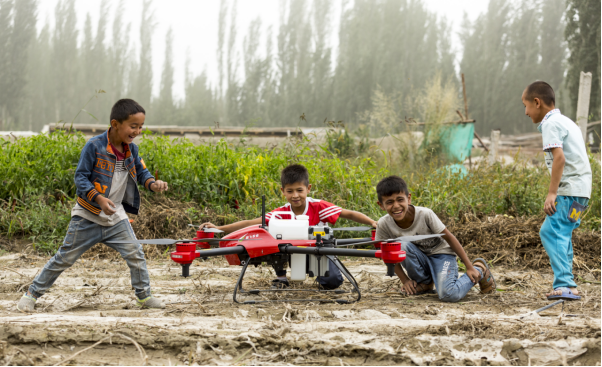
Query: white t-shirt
559, 131
118, 186
425, 222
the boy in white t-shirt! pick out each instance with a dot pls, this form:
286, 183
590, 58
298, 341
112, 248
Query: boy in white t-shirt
295, 188
570, 184
429, 263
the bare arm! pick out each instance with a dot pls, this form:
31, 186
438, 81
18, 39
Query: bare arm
557, 169
459, 250
358, 217
232, 227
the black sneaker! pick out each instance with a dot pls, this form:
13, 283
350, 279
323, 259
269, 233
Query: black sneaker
280, 283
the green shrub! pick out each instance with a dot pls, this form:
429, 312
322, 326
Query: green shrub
37, 189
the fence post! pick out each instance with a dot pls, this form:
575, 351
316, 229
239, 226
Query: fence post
585, 88
494, 145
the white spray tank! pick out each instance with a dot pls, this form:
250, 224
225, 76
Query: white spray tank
292, 229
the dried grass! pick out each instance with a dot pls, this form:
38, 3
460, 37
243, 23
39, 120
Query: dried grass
505, 240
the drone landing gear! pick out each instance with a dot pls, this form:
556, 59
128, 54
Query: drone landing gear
238, 288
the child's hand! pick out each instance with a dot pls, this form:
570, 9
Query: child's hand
374, 224
207, 225
549, 207
159, 186
409, 287
473, 274
106, 205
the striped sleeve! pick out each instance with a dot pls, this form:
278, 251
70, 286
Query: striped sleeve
92, 194
329, 212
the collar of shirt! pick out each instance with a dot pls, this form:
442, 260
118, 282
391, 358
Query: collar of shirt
547, 116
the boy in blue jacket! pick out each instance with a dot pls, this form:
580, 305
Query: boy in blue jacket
570, 184
107, 178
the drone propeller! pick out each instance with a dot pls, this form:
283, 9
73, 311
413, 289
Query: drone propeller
398, 239
208, 230
355, 229
167, 241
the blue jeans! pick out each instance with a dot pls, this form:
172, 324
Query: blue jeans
442, 269
81, 236
556, 236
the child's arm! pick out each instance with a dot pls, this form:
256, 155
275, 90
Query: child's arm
472, 273
557, 168
232, 227
144, 177
358, 217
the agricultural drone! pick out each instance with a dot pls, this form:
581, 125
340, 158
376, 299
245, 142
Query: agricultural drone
306, 248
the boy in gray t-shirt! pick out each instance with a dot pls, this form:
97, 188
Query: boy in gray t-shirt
429, 263
570, 184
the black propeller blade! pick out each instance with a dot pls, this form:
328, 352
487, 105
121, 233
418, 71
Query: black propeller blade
398, 239
354, 229
167, 241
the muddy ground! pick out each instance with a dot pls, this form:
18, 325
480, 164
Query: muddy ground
92, 305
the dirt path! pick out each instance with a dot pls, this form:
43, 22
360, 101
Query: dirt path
93, 302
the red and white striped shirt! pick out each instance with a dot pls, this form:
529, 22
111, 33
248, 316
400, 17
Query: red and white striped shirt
320, 212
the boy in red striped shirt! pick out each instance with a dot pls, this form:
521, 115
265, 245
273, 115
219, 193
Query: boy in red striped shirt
295, 188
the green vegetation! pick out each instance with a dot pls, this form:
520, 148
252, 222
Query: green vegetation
37, 188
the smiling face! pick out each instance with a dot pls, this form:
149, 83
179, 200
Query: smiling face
295, 194
396, 205
534, 108
126, 131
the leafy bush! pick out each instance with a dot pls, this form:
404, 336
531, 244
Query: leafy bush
38, 190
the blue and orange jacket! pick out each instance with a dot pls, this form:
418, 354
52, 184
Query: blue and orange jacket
94, 174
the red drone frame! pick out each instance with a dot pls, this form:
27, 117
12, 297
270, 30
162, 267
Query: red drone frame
255, 245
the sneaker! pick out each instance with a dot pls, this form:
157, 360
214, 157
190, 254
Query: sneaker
27, 303
487, 282
280, 283
150, 302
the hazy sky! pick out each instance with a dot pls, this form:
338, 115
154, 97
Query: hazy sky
194, 24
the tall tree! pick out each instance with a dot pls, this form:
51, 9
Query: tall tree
67, 101
5, 35
164, 105
144, 77
583, 37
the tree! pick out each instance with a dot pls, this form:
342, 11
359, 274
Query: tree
164, 106
583, 37
144, 78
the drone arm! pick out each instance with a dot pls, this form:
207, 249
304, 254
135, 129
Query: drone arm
222, 251
323, 251
352, 241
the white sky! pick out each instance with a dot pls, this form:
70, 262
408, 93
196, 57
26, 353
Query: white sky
194, 24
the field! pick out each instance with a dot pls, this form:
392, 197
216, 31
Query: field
93, 302
89, 317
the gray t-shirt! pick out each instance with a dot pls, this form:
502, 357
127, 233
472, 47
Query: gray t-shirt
425, 222
118, 186
559, 131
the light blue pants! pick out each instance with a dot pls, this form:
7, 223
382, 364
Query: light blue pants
82, 234
556, 236
442, 269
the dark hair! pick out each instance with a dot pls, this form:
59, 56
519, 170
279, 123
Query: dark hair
541, 90
391, 185
294, 173
124, 108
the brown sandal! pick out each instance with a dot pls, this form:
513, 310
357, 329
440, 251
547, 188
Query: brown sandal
487, 282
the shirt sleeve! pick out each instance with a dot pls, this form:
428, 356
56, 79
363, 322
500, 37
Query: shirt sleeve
553, 134
433, 222
328, 212
382, 231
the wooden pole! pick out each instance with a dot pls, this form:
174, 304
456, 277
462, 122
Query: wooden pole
585, 88
495, 145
